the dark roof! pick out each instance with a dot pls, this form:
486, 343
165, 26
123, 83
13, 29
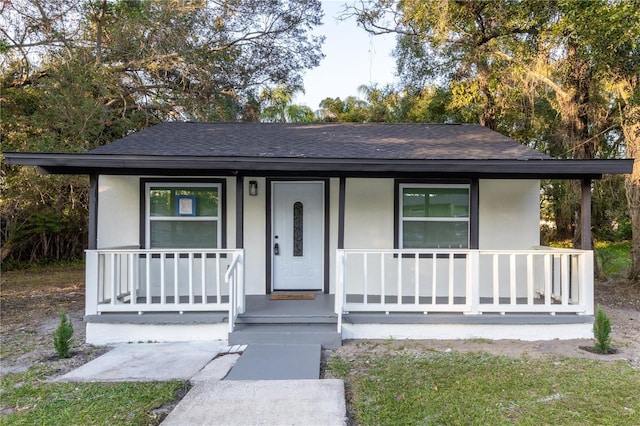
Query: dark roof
323, 140
327, 149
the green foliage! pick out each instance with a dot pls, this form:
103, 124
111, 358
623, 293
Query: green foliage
478, 389
613, 258
62, 336
27, 399
602, 331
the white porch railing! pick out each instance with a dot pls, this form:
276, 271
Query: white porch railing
466, 281
164, 281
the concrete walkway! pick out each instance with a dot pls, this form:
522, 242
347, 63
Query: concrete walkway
214, 401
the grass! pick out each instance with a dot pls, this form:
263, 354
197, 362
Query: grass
614, 257
478, 389
26, 399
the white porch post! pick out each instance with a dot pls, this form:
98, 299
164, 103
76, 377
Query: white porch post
586, 281
241, 289
473, 282
91, 282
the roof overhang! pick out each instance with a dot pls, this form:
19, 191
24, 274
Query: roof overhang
81, 163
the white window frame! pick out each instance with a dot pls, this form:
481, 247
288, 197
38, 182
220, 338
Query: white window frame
402, 218
148, 218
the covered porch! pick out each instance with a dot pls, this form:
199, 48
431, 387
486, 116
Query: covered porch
372, 286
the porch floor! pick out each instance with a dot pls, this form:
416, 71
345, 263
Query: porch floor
260, 309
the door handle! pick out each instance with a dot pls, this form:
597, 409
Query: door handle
276, 249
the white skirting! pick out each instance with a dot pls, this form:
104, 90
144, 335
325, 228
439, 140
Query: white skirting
110, 333
468, 331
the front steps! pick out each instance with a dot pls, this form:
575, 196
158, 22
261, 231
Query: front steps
286, 334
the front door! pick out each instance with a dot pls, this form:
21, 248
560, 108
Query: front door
297, 235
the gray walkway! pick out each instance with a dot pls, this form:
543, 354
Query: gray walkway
277, 362
214, 401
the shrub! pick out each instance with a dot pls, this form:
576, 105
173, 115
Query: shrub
62, 336
601, 331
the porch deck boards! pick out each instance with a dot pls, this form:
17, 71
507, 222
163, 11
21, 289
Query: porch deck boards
260, 309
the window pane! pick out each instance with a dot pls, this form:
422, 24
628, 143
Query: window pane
435, 234
435, 202
184, 234
163, 201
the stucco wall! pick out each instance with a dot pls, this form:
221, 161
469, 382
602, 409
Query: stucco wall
509, 214
118, 211
255, 229
368, 221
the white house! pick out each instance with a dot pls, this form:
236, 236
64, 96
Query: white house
398, 230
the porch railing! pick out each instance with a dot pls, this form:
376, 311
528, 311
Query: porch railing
124, 280
541, 280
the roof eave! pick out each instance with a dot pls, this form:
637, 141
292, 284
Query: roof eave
80, 163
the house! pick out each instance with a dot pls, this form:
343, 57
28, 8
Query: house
398, 230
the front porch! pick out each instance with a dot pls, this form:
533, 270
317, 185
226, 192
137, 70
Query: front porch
377, 294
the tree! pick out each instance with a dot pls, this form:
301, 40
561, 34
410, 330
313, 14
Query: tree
75, 75
538, 71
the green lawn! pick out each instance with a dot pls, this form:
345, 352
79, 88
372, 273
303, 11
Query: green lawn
480, 389
26, 399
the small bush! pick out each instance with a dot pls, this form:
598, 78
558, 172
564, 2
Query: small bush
602, 331
62, 336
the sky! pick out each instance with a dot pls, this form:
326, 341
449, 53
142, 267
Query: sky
352, 58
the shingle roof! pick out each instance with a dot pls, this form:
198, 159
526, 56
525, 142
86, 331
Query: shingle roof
322, 141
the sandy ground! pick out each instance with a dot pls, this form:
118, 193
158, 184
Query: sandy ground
29, 316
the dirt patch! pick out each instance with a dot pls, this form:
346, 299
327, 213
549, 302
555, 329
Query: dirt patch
30, 304
620, 300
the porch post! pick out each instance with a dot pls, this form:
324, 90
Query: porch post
92, 244
239, 211
341, 206
585, 216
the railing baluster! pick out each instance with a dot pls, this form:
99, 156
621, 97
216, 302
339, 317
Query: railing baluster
529, 279
162, 291
114, 294
564, 279
366, 278
451, 281
190, 268
399, 290
496, 279
548, 274
148, 299
176, 289
132, 280
434, 278
417, 278
512, 279
218, 291
382, 277
203, 277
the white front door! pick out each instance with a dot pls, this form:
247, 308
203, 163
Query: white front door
297, 238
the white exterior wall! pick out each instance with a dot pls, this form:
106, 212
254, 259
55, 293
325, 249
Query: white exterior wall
509, 214
255, 230
118, 212
368, 221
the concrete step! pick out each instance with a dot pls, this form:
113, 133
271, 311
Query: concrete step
321, 334
277, 362
287, 319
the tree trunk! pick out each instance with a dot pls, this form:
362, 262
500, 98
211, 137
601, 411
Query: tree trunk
631, 131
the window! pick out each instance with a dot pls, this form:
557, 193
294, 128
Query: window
434, 216
183, 215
